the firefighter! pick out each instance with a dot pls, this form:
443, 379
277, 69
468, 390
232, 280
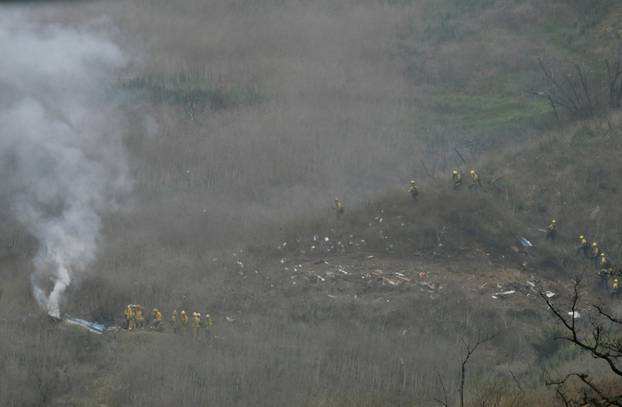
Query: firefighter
475, 181
551, 230
129, 317
208, 320
339, 209
140, 316
584, 247
196, 324
456, 177
183, 319
604, 262
412, 190
156, 316
595, 253
174, 320
615, 285
604, 270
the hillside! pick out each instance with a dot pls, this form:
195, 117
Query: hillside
244, 120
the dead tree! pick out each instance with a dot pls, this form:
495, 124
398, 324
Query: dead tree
614, 81
469, 349
600, 340
582, 93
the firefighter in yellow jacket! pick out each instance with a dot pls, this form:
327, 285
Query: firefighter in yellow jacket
339, 208
584, 247
196, 324
130, 317
183, 319
207, 320
615, 285
595, 253
551, 230
604, 270
412, 190
174, 320
140, 316
475, 181
456, 177
156, 319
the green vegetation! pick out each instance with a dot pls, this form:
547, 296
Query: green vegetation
475, 112
192, 91
475, 63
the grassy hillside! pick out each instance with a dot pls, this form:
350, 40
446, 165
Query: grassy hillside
246, 120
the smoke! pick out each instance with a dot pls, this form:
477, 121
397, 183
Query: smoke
62, 158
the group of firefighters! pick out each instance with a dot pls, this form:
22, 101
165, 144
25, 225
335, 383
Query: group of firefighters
456, 177
610, 276
135, 319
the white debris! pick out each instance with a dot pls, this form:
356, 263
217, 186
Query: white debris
503, 293
574, 315
525, 242
326, 239
549, 294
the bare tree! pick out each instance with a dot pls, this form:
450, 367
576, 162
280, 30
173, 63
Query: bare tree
469, 350
583, 93
601, 342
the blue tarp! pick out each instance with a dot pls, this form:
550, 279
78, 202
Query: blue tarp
89, 325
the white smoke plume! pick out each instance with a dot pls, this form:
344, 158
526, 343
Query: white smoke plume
62, 157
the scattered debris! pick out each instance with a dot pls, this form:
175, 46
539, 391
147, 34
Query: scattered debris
549, 294
575, 314
91, 326
526, 243
496, 296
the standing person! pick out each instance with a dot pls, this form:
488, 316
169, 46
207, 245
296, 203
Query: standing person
183, 319
456, 177
139, 316
604, 270
551, 230
174, 320
475, 181
412, 189
196, 324
207, 322
129, 317
339, 208
156, 316
595, 254
584, 247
